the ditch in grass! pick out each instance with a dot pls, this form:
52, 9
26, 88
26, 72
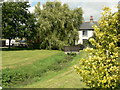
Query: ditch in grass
65, 78
32, 73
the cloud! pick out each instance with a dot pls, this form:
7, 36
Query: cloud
73, 5
90, 7
94, 9
89, 0
87, 12
31, 9
113, 6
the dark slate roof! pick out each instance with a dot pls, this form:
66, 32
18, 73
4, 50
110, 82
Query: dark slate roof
88, 25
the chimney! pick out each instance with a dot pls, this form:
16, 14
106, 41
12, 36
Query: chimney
91, 18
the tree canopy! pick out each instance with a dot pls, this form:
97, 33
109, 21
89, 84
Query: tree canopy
17, 21
0, 19
57, 25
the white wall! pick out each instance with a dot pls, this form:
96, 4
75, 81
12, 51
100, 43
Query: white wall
7, 42
90, 33
81, 37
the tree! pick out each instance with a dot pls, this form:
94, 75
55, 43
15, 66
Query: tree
101, 69
0, 19
16, 20
119, 22
57, 25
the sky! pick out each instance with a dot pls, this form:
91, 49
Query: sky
89, 7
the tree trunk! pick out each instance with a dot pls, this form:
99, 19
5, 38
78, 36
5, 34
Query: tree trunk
9, 42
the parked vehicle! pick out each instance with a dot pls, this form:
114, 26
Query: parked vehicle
21, 43
17, 43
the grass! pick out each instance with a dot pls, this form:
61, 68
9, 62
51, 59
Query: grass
13, 59
66, 78
30, 71
41, 69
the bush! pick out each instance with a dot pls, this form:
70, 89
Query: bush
11, 77
101, 69
72, 54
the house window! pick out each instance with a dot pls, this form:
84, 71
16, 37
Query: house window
84, 33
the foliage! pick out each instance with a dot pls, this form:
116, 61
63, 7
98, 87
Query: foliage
87, 42
101, 69
57, 25
0, 29
17, 20
72, 54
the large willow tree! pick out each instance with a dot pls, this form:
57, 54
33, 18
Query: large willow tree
57, 25
101, 69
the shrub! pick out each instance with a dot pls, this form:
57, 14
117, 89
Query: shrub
101, 69
72, 54
11, 77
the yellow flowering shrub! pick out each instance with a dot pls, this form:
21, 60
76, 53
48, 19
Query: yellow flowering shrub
101, 69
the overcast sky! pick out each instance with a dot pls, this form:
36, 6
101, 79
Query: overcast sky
90, 7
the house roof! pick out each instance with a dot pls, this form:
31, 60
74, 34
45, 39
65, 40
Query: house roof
87, 25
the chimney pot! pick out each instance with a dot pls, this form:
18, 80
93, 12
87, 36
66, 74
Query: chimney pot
91, 18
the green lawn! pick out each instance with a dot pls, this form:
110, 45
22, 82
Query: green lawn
41, 69
13, 59
66, 78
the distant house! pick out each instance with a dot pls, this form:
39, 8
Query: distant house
11, 43
86, 30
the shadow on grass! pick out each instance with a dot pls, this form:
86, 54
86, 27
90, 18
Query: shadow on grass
17, 49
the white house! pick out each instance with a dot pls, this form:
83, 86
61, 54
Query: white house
86, 30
